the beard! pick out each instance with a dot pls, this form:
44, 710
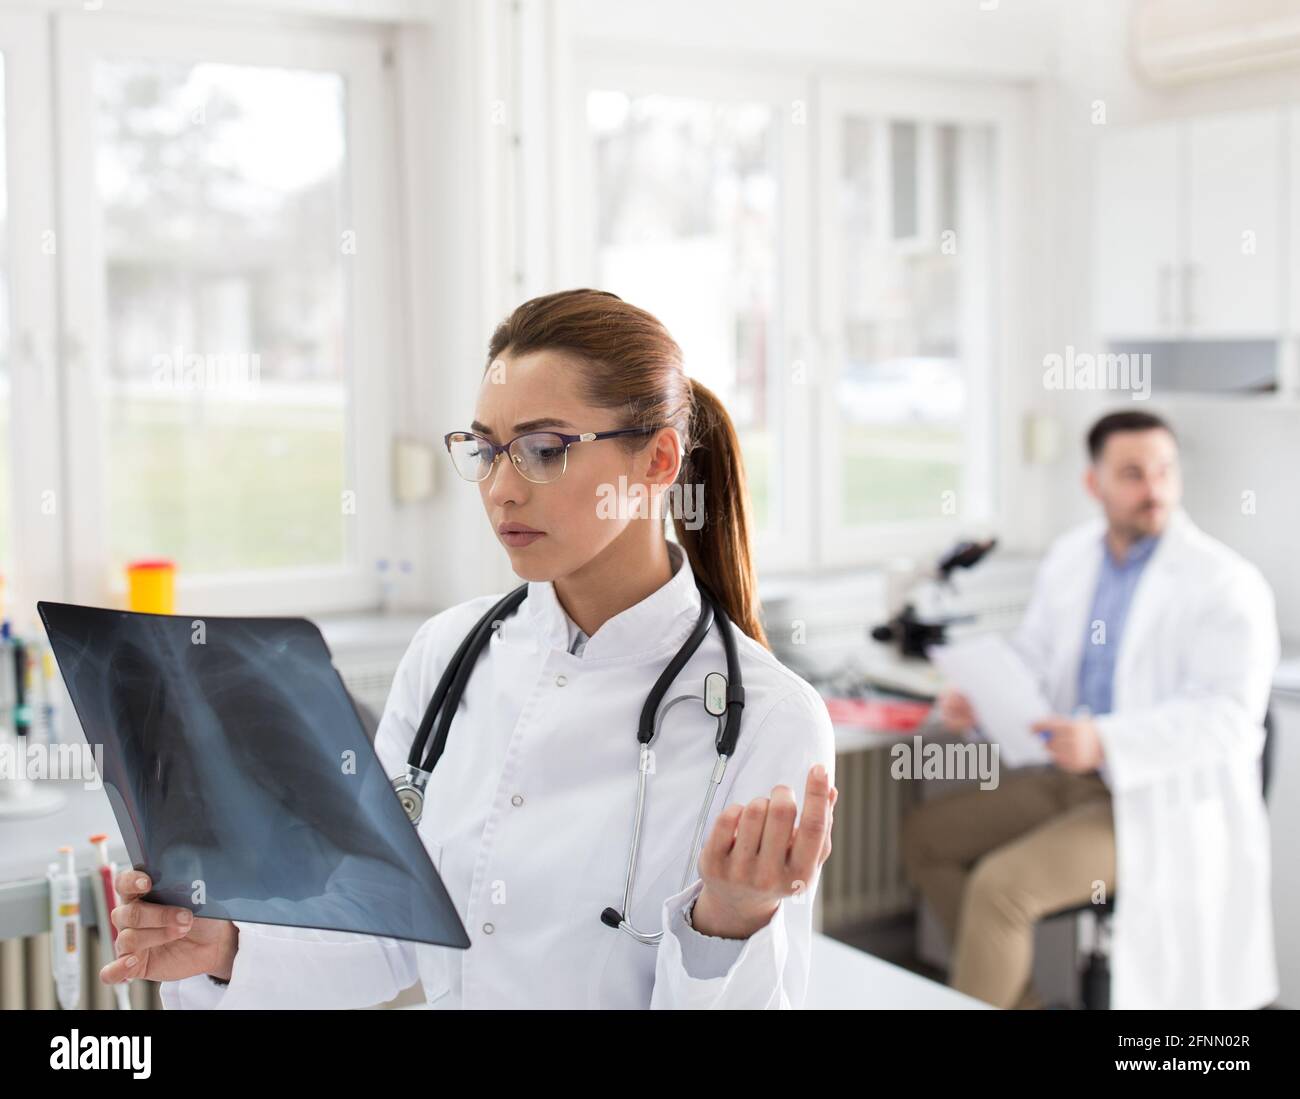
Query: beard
1149, 519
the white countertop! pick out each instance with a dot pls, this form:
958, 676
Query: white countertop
29, 844
844, 977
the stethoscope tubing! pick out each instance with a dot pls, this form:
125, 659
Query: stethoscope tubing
451, 686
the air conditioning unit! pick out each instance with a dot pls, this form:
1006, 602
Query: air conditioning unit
1182, 41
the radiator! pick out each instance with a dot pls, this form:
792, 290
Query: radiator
863, 877
366, 652
27, 982
368, 682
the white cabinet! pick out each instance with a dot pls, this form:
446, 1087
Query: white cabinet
1231, 271
1135, 232
1187, 229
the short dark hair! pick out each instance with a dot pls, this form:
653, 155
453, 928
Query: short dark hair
1115, 422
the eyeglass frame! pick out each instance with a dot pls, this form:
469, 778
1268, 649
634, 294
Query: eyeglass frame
504, 448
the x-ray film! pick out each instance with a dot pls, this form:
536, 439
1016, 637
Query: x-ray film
240, 774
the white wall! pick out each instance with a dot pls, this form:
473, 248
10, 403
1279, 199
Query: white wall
452, 73
953, 38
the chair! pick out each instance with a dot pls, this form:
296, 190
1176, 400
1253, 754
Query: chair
1094, 979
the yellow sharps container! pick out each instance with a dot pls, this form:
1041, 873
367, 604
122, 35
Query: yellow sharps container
151, 586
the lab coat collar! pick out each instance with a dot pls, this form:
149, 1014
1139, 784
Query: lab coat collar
1157, 589
662, 619
1165, 555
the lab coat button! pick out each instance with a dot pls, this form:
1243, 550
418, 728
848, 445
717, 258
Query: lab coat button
488, 928
518, 799
560, 680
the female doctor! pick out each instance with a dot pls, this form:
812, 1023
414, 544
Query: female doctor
529, 813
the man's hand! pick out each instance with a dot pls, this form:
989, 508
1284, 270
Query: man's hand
1074, 743
955, 711
755, 857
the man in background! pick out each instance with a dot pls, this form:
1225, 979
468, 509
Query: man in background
1156, 645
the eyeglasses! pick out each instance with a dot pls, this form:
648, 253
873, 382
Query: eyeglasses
540, 456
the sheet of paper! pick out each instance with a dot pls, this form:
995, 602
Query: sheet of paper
1002, 691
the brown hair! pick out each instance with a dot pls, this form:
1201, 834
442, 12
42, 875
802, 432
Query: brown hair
630, 362
1116, 422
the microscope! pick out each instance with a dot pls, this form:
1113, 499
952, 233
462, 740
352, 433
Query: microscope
922, 620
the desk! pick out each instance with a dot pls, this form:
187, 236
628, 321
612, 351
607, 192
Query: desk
846, 978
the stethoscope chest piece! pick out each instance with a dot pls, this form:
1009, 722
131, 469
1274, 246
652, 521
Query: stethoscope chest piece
410, 792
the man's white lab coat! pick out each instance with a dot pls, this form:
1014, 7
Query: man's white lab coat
529, 814
1193, 926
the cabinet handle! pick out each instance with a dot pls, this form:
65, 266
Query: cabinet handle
1189, 297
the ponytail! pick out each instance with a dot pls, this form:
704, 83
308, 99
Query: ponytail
719, 551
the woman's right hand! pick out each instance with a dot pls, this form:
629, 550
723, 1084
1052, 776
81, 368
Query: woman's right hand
162, 942
955, 712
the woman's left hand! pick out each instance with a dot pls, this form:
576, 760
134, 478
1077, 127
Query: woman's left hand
755, 857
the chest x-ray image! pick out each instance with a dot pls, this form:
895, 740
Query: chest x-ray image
240, 774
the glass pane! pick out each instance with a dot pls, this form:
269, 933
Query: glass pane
904, 170
947, 181
916, 318
687, 208
224, 238
6, 437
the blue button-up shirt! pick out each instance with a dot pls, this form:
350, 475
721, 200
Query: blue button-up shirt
1110, 603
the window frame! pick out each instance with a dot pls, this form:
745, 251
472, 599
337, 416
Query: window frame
989, 423
809, 536
358, 55
38, 500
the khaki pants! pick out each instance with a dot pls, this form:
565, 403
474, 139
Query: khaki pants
992, 862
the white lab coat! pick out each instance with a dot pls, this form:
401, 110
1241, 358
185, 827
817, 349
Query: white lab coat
1193, 924
528, 816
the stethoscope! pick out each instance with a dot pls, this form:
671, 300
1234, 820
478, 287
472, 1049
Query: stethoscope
724, 698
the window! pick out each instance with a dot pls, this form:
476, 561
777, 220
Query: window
886, 305
687, 218
908, 240
224, 273
222, 216
912, 342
